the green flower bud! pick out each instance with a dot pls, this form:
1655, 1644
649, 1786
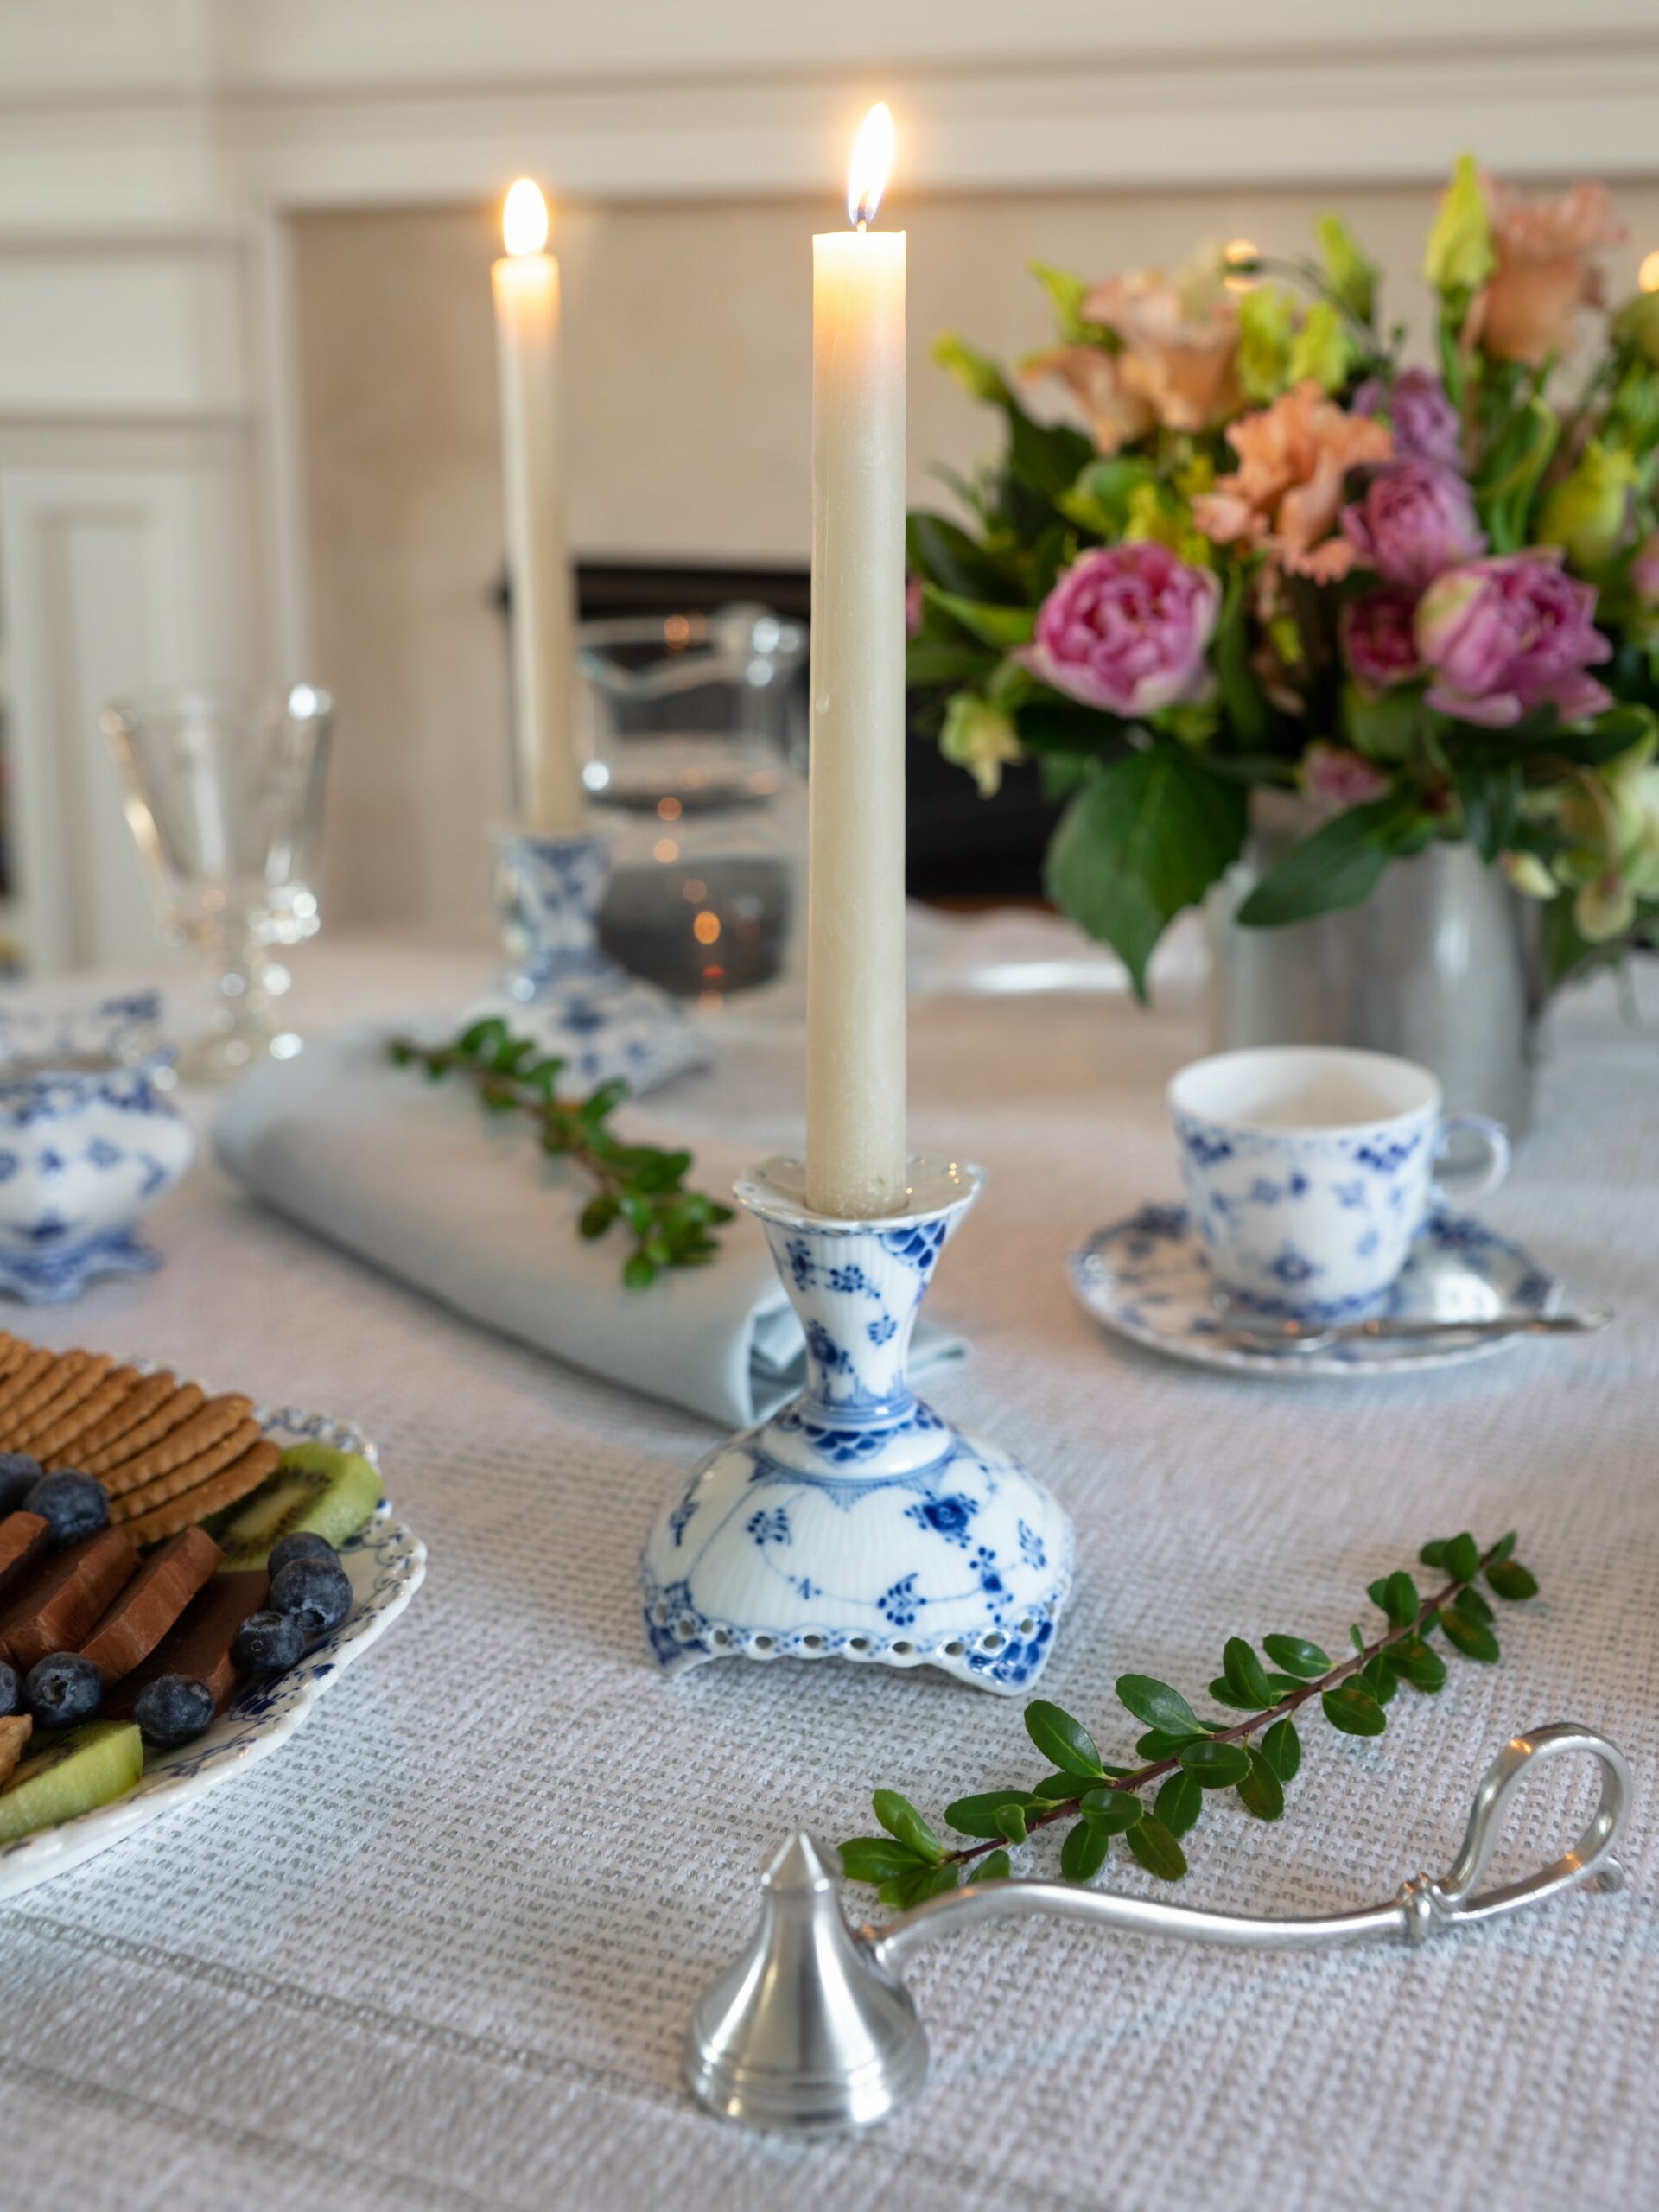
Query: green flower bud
1636, 326
1585, 512
1267, 323
1459, 256
979, 739
1527, 873
1351, 276
1321, 348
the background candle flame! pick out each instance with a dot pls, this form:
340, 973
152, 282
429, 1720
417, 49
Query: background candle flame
523, 220
867, 173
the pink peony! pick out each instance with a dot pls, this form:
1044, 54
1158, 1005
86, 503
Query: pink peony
1505, 635
1414, 519
1424, 421
1125, 628
1343, 779
1377, 638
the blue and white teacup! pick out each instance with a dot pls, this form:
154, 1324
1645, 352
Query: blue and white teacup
1309, 1168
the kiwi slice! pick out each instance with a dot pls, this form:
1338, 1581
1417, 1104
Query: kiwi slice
88, 1767
327, 1493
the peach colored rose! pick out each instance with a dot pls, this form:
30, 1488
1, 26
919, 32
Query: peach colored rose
1180, 339
1285, 495
1524, 311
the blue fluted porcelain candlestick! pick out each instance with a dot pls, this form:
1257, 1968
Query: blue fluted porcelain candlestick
564, 990
856, 1523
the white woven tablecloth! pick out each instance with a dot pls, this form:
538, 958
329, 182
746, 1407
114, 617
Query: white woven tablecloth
441, 1950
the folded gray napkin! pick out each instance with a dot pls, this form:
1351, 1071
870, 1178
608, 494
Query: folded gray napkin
416, 1177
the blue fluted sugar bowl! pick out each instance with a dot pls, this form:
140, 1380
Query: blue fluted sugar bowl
89, 1139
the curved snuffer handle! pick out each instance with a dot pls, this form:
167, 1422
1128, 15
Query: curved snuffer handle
1423, 1908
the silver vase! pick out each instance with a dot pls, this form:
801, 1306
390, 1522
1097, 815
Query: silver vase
1441, 965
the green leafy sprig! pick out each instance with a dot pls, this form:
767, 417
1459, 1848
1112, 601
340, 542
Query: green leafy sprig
639, 1185
1187, 1756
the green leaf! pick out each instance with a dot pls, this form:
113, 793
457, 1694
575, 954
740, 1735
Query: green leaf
930, 661
977, 1815
1512, 1581
994, 1867
1502, 1548
942, 553
1434, 1555
1260, 1792
1147, 835
1216, 1766
1223, 1692
901, 1819
1244, 1672
1400, 1599
1083, 1853
1377, 1676
638, 1271
931, 1882
1297, 1656
1281, 1747
1063, 1739
1055, 1788
992, 625
1011, 1819
597, 1215
1463, 1558
1470, 1637
877, 1859
1338, 866
1178, 1802
1157, 1703
1473, 1606
1355, 1711
1165, 1744
1357, 1637
1157, 1849
1114, 1810
1420, 1664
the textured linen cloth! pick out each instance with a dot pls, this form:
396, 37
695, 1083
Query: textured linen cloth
441, 1950
415, 1176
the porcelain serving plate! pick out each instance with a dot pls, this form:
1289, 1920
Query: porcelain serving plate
1146, 1278
386, 1564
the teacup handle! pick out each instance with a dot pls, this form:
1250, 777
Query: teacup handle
1480, 1179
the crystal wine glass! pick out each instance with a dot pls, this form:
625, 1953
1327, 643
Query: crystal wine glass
223, 790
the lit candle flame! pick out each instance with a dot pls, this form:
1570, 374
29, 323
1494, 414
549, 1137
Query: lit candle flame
1648, 275
867, 173
523, 220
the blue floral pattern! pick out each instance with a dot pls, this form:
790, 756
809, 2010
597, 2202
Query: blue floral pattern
580, 1006
857, 1523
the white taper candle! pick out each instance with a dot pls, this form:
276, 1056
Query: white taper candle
856, 1152
525, 286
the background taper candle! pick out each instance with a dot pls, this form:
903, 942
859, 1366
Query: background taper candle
525, 284
856, 929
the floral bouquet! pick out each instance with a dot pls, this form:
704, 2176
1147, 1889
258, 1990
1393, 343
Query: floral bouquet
1428, 600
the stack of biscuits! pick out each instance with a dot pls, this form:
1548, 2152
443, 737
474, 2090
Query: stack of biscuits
169, 1455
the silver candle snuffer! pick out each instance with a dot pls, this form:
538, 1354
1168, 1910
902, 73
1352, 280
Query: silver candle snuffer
811, 2031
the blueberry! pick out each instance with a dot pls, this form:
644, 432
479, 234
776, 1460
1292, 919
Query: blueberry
12, 1692
266, 1643
302, 1544
75, 1505
315, 1591
18, 1472
171, 1710
62, 1690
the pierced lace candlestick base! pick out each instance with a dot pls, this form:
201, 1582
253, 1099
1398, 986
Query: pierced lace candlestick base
563, 990
856, 1523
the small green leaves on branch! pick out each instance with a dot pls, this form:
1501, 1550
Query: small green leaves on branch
637, 1184
1187, 1759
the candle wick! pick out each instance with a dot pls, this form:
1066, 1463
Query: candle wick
863, 223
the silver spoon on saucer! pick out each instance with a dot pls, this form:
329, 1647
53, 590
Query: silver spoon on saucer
1258, 1332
